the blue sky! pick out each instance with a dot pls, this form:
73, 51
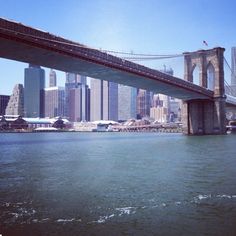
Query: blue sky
150, 26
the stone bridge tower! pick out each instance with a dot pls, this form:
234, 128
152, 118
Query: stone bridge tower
202, 117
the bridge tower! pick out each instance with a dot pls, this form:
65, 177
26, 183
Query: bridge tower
202, 117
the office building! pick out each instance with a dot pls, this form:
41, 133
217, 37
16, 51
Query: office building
54, 100
71, 82
77, 98
52, 78
143, 103
98, 100
104, 100
126, 102
15, 105
85, 98
4, 99
34, 84
167, 107
112, 101
159, 114
233, 67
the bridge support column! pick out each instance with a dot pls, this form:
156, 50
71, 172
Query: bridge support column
204, 117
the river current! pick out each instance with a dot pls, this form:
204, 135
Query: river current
117, 184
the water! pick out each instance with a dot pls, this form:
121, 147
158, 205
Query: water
117, 184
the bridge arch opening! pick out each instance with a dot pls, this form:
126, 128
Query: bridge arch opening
196, 74
210, 77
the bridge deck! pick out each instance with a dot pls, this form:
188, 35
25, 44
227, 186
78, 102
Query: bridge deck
26, 44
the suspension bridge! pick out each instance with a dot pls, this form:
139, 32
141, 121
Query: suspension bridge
203, 105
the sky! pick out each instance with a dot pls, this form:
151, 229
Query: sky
150, 26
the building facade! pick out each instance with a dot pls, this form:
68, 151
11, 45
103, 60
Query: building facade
15, 105
34, 83
4, 99
54, 101
143, 103
98, 100
52, 78
167, 107
159, 114
126, 102
104, 100
233, 67
77, 98
112, 101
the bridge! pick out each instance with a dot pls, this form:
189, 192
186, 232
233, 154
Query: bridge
203, 107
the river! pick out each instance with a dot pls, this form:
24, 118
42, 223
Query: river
117, 184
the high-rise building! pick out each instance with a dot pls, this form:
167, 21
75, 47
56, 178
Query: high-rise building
54, 101
15, 105
126, 102
74, 97
98, 100
113, 101
233, 67
104, 100
71, 82
143, 103
85, 98
52, 78
77, 98
165, 108
159, 110
159, 113
4, 99
33, 94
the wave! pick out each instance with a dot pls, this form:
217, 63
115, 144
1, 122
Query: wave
19, 212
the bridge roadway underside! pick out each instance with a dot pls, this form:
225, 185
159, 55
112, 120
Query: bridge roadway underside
56, 59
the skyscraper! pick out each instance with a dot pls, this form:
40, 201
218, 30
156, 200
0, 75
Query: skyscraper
143, 103
54, 101
98, 100
165, 108
77, 98
52, 78
71, 82
75, 95
16, 103
104, 100
33, 94
85, 98
4, 99
113, 101
233, 67
126, 102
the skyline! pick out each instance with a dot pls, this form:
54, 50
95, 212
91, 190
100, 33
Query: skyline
136, 26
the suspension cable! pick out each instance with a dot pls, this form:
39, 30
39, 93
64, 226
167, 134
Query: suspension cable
232, 74
133, 56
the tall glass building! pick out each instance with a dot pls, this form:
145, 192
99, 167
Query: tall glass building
4, 99
34, 83
233, 66
127, 102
